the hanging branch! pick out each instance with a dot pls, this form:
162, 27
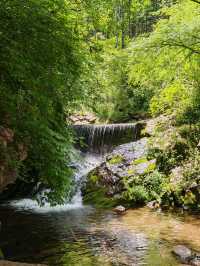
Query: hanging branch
196, 1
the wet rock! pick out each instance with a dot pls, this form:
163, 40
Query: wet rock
195, 261
183, 253
153, 204
10, 263
120, 209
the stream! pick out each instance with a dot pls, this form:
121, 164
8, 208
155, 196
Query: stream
77, 235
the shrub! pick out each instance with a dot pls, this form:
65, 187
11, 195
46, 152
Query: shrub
136, 194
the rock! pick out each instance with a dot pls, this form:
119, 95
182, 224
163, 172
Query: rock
126, 163
120, 209
195, 261
183, 253
86, 118
10, 263
153, 204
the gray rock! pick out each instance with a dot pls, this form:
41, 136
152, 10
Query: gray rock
120, 209
183, 253
153, 204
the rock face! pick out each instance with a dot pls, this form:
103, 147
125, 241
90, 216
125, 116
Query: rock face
10, 263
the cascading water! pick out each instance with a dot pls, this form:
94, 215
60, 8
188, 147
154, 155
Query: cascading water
102, 138
98, 139
83, 164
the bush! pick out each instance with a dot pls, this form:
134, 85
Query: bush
142, 189
136, 195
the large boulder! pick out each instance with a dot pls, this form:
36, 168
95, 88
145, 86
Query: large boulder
106, 185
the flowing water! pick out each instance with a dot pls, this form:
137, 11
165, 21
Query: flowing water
102, 138
88, 237
78, 235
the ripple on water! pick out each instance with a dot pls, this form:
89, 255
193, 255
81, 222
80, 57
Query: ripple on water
89, 237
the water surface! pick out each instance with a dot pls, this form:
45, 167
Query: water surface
85, 236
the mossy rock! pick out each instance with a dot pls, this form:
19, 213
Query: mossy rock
99, 199
116, 159
139, 161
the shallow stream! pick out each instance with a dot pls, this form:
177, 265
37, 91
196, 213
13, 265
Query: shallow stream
78, 235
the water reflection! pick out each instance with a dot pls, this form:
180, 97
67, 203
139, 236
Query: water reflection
88, 237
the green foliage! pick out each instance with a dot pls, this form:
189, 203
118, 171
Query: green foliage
39, 82
166, 62
140, 160
144, 188
154, 183
98, 198
168, 146
136, 194
171, 195
170, 99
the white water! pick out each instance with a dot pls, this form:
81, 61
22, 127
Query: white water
86, 163
100, 138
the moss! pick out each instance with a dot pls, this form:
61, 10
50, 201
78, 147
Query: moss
116, 159
94, 178
131, 171
151, 167
139, 161
99, 199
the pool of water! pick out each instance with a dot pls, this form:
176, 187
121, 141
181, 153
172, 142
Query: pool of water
84, 236
78, 235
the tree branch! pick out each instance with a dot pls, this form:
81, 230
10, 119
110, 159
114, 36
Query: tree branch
196, 1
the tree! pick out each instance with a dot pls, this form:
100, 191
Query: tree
40, 65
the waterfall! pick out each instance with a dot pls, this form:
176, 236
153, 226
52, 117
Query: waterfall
98, 139
83, 164
102, 138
